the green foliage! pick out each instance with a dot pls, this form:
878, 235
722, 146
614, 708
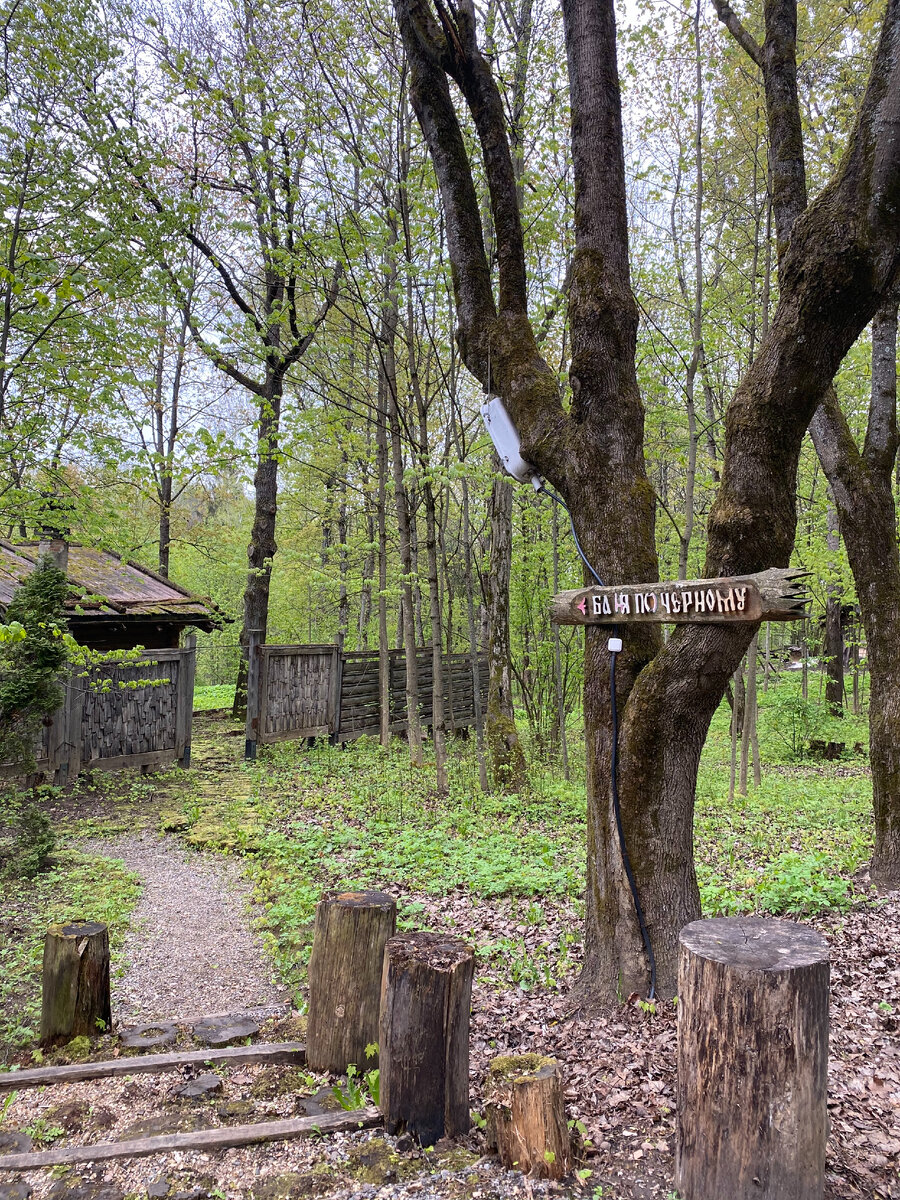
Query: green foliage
802, 885
791, 720
31, 666
27, 839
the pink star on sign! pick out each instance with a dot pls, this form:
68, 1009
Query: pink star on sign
582, 606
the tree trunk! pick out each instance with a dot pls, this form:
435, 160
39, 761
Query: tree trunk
861, 483
504, 747
752, 1061
834, 633
352, 929
526, 1115
426, 995
75, 986
262, 547
835, 271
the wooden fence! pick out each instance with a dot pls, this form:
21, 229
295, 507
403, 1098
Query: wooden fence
319, 691
111, 719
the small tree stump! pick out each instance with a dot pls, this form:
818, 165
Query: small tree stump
75, 993
752, 1060
426, 993
345, 977
526, 1115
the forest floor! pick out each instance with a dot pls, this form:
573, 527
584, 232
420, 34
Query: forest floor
234, 856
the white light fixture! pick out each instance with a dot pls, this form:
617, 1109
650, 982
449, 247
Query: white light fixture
505, 437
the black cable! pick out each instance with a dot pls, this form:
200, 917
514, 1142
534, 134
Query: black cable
614, 761
559, 500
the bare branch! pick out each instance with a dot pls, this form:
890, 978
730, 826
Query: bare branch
732, 23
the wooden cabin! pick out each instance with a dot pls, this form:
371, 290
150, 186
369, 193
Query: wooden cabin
115, 604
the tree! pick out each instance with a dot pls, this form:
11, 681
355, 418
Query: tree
237, 191
836, 271
32, 655
62, 253
860, 480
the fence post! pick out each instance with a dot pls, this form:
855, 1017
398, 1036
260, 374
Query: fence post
252, 726
184, 700
56, 742
72, 714
334, 698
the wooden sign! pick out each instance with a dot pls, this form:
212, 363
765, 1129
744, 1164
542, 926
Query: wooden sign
774, 595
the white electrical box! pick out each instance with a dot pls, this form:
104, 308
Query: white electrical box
506, 441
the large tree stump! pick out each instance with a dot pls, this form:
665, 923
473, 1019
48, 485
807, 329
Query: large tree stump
345, 977
75, 999
526, 1115
426, 993
752, 1060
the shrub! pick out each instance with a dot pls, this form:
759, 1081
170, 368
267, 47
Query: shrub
32, 656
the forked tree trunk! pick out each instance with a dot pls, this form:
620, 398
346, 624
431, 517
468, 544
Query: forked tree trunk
861, 483
835, 271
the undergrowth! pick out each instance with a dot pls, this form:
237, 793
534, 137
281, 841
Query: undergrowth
77, 885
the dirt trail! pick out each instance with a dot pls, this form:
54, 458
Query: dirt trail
190, 951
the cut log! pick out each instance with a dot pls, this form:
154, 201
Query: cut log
206, 1140
345, 977
426, 994
752, 1060
526, 1115
270, 1053
75, 991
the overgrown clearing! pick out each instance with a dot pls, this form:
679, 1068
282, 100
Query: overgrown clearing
505, 872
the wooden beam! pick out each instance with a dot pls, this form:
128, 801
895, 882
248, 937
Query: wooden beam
774, 595
201, 1139
136, 1064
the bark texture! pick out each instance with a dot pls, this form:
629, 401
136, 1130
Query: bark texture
75, 999
352, 929
752, 1061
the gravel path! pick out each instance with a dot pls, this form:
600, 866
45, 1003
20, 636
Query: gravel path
190, 951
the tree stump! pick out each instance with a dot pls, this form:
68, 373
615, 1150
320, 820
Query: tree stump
345, 977
752, 1060
526, 1115
426, 993
75, 994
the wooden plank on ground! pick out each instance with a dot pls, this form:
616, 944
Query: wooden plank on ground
136, 1064
206, 1140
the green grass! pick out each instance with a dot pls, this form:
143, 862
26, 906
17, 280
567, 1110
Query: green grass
363, 817
77, 885
306, 819
217, 695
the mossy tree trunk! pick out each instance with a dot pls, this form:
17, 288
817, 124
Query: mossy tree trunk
835, 272
847, 263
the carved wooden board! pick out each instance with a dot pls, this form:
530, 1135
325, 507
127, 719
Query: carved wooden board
773, 595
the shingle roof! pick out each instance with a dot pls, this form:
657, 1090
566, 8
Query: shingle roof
109, 586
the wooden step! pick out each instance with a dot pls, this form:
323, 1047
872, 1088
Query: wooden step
135, 1064
205, 1140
